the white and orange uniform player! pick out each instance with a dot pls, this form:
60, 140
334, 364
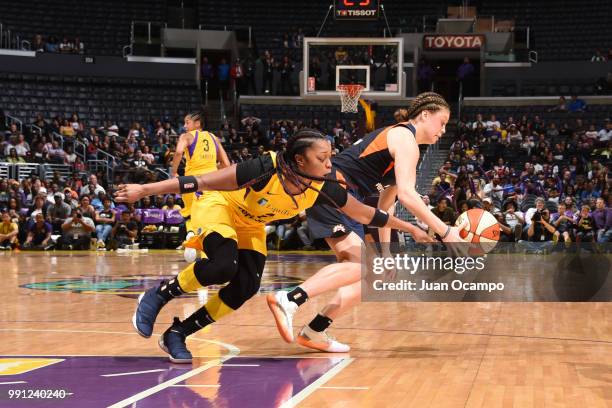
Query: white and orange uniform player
203, 154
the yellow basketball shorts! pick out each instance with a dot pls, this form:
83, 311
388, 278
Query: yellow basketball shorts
211, 212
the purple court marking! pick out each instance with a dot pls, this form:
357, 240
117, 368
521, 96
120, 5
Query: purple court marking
251, 382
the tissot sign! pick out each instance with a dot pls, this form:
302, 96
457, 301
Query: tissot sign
453, 42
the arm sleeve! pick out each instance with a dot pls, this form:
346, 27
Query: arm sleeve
253, 169
333, 191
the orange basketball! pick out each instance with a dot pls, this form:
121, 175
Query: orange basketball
482, 228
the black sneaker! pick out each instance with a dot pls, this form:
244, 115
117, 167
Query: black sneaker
149, 305
173, 343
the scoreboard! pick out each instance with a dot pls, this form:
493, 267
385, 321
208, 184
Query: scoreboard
356, 10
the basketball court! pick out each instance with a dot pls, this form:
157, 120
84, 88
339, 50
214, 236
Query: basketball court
66, 326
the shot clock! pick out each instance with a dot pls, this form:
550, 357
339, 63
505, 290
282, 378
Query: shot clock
356, 10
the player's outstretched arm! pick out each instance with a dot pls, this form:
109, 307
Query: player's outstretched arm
371, 216
403, 147
220, 180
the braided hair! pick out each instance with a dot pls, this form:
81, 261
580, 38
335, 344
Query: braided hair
286, 167
429, 101
195, 116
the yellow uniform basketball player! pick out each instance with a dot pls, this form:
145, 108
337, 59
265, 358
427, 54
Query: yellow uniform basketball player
249, 195
203, 154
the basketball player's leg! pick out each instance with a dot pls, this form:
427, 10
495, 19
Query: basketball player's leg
344, 275
219, 242
241, 287
188, 199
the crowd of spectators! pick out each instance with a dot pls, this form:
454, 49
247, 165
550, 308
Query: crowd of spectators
52, 44
542, 181
76, 213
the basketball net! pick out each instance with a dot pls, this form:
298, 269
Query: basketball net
349, 96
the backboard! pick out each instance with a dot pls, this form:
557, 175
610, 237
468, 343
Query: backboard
374, 63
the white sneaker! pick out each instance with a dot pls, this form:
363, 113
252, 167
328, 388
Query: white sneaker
320, 341
283, 310
190, 254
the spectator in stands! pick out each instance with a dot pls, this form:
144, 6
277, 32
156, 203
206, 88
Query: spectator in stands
237, 75
8, 232
56, 154
170, 203
169, 131
249, 76
146, 203
603, 221
514, 220
38, 45
561, 105
147, 156
98, 201
39, 234
477, 122
70, 156
159, 201
576, 105
75, 123
92, 186
76, 231
466, 74
285, 68
563, 221
539, 207
598, 56
66, 47
268, 71
425, 76
58, 212
79, 47
39, 206
85, 207
223, 75
105, 219
13, 157
445, 212
124, 232
251, 121
52, 45
540, 230
605, 134
585, 225
207, 73
492, 123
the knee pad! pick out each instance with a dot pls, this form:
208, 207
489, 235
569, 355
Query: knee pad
222, 263
247, 281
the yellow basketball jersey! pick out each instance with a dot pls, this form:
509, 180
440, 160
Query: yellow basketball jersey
201, 154
271, 203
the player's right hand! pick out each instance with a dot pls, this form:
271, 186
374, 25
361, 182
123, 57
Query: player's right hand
129, 193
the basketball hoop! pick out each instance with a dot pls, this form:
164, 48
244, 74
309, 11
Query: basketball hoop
349, 96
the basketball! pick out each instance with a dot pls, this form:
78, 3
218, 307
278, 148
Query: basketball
482, 228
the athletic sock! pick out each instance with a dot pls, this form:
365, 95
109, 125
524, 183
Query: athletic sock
297, 296
197, 321
169, 290
320, 323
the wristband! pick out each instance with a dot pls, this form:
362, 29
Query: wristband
380, 219
188, 184
448, 230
